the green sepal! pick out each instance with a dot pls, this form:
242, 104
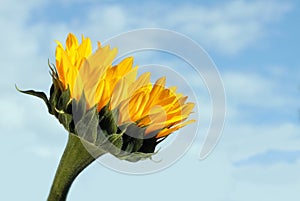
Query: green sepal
38, 94
133, 138
79, 108
87, 126
102, 137
149, 145
66, 120
56, 91
54, 96
136, 156
116, 140
107, 120
64, 100
61, 103
113, 144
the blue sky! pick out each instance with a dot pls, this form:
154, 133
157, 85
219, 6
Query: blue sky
254, 44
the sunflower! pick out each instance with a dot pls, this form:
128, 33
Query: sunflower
158, 109
106, 108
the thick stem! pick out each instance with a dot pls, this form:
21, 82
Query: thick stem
74, 159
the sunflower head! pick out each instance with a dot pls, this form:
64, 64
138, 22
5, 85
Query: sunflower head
107, 105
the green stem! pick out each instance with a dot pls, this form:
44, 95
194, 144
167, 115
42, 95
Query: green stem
74, 159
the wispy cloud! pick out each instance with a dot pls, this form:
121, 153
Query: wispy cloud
259, 89
228, 27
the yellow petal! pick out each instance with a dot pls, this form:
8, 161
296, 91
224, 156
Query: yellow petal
157, 88
85, 48
124, 66
102, 94
141, 82
71, 42
61, 69
71, 80
119, 93
168, 131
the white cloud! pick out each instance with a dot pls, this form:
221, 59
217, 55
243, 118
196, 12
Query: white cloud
261, 108
250, 139
229, 27
258, 89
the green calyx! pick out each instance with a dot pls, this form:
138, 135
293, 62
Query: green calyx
97, 128
100, 129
